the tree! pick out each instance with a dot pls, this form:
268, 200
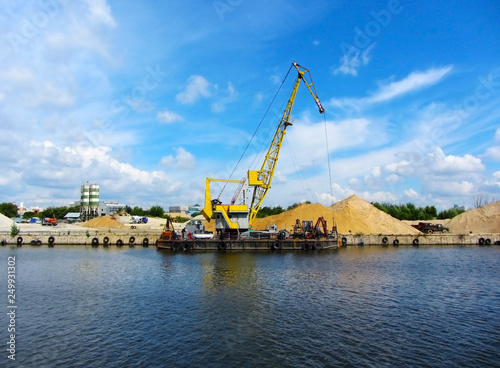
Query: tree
156, 211
29, 214
480, 200
8, 209
450, 213
137, 211
407, 211
269, 211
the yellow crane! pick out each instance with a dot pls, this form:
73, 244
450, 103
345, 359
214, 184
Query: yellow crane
239, 217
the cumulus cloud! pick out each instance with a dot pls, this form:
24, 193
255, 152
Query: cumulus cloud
308, 138
493, 153
196, 87
449, 188
59, 171
183, 160
411, 193
451, 164
168, 117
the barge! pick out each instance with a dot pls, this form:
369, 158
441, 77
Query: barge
304, 236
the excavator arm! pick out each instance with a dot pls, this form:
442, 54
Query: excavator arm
261, 180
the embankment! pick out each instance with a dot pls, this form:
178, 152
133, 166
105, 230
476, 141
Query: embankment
131, 238
423, 239
93, 238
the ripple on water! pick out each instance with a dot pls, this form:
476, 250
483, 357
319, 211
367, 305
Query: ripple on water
359, 307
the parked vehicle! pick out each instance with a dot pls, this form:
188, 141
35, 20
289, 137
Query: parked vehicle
139, 220
49, 221
429, 228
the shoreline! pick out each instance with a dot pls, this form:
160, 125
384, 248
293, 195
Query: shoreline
148, 237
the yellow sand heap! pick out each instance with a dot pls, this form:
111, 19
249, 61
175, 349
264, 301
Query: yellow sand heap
104, 221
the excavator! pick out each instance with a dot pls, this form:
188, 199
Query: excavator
239, 215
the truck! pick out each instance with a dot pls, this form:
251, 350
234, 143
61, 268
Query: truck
429, 228
139, 220
49, 221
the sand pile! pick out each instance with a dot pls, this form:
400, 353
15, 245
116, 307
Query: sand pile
485, 219
353, 215
5, 221
104, 221
359, 216
287, 219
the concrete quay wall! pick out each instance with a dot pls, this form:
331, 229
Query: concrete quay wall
423, 239
103, 238
149, 238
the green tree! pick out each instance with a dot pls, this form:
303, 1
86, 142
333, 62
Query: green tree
269, 211
156, 211
450, 213
8, 209
29, 214
137, 211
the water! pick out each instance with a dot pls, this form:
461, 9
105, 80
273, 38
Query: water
358, 307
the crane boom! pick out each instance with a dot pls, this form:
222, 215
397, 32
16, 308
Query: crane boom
235, 217
265, 175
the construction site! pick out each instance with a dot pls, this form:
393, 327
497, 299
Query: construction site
358, 221
234, 225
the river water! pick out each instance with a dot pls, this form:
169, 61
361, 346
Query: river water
355, 307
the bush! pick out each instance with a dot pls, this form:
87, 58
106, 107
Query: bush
14, 230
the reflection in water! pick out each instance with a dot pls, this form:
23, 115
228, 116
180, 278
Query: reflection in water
359, 306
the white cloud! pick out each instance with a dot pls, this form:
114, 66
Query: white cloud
183, 160
309, 143
449, 188
100, 12
223, 97
196, 87
403, 168
168, 117
350, 63
450, 164
376, 171
493, 153
412, 82
497, 135
391, 90
411, 193
380, 196
393, 178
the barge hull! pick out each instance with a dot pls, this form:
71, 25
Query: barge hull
217, 244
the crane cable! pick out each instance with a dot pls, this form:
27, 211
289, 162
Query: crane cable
256, 130
328, 157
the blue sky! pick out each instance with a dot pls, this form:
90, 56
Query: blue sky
148, 98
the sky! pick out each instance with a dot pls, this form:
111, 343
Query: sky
149, 98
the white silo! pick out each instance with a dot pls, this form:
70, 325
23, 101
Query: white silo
94, 200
